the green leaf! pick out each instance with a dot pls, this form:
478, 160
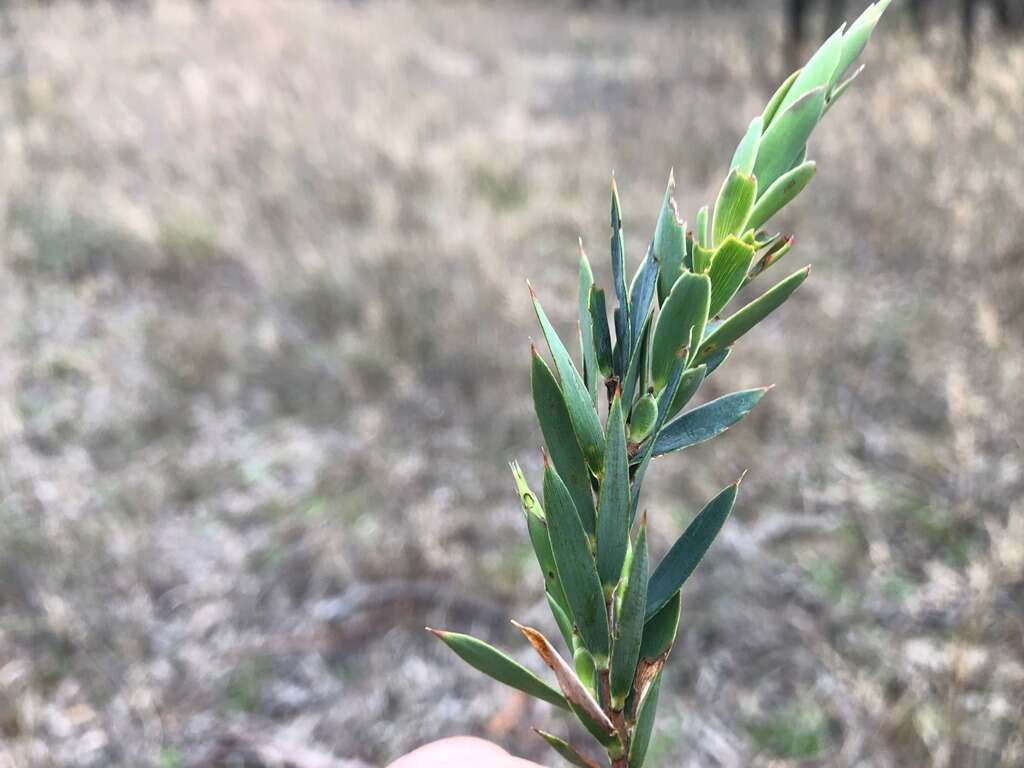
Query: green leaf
560, 438
561, 619
497, 665
818, 72
857, 36
661, 628
701, 258
537, 527
641, 422
772, 109
636, 362
566, 750
618, 253
629, 625
680, 325
688, 387
729, 330
644, 725
728, 270
787, 137
669, 241
732, 209
841, 88
613, 501
588, 354
582, 412
676, 567
779, 249
641, 296
576, 567
781, 193
664, 400
602, 336
746, 152
707, 421
703, 232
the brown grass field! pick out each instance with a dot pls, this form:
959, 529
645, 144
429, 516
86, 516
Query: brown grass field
264, 358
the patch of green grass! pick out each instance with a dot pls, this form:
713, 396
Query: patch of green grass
797, 732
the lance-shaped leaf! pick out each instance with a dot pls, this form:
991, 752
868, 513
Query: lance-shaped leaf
538, 530
660, 629
781, 193
669, 241
857, 36
621, 351
629, 626
613, 501
560, 438
588, 353
715, 361
583, 662
576, 567
841, 88
573, 690
602, 335
641, 740
733, 207
496, 664
819, 70
728, 271
708, 421
746, 152
562, 619
703, 230
637, 363
566, 750
772, 108
641, 295
783, 142
618, 254
664, 401
729, 330
680, 325
676, 567
688, 386
582, 412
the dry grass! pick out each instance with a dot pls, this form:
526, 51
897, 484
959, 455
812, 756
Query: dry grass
263, 295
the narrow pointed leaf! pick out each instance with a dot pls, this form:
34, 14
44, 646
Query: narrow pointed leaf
684, 314
629, 626
857, 36
819, 70
729, 330
733, 207
772, 108
688, 386
576, 567
714, 361
588, 353
497, 665
703, 230
641, 740
664, 401
560, 438
669, 242
660, 629
583, 663
538, 530
746, 152
572, 689
562, 619
641, 295
841, 88
613, 501
728, 271
621, 351
784, 141
638, 361
582, 412
707, 421
602, 335
676, 567
781, 193
566, 750
618, 253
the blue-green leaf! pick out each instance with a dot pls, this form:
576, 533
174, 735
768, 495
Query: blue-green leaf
562, 620
576, 567
703, 229
746, 152
729, 330
733, 207
538, 530
728, 270
665, 400
680, 325
582, 412
786, 139
660, 629
707, 421
641, 295
613, 501
641, 740
676, 567
497, 665
618, 253
602, 335
819, 70
560, 438
781, 193
772, 108
688, 387
857, 36
629, 625
669, 242
566, 750
588, 353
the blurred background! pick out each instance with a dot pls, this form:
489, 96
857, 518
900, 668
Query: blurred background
264, 358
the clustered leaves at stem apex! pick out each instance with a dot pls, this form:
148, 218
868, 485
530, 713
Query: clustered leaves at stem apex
617, 615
